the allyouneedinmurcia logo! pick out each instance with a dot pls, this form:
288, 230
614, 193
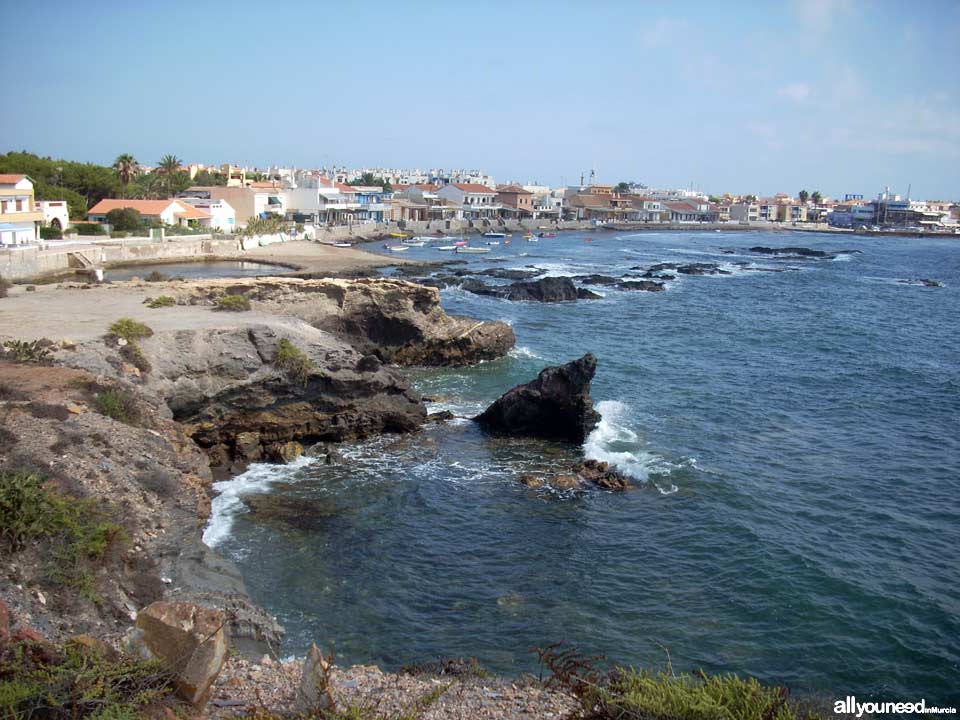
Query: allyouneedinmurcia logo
850, 706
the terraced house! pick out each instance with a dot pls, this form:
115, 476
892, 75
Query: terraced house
19, 217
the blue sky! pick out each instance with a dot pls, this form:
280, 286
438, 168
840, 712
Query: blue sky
836, 95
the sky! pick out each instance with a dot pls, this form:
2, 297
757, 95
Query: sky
841, 96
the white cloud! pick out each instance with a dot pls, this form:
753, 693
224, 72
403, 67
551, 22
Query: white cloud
797, 92
663, 31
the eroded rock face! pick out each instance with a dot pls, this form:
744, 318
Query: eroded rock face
589, 473
556, 405
397, 321
225, 388
313, 694
188, 638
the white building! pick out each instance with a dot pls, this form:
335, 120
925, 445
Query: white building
222, 215
55, 213
19, 218
478, 201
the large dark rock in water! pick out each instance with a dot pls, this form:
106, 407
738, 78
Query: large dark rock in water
549, 289
557, 405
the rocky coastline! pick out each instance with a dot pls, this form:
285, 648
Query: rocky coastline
197, 400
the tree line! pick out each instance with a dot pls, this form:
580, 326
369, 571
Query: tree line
83, 185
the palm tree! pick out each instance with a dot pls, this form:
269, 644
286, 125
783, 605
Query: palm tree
126, 167
804, 196
816, 197
169, 166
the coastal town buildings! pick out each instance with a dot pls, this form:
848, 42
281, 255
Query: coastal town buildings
221, 215
516, 201
55, 213
246, 202
478, 201
19, 218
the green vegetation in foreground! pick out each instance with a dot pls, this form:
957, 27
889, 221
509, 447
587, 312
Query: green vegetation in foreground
129, 329
628, 694
82, 681
232, 303
161, 301
24, 351
76, 534
293, 361
117, 405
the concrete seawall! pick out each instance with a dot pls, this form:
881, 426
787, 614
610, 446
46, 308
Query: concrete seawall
35, 262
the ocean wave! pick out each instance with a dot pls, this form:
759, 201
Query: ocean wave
615, 443
524, 352
227, 504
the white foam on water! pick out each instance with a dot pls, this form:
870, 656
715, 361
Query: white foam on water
615, 443
842, 258
524, 352
561, 269
227, 504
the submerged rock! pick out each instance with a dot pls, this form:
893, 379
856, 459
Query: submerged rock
584, 294
589, 473
642, 285
556, 405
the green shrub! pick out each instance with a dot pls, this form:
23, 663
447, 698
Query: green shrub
27, 352
129, 329
123, 219
232, 303
51, 233
77, 533
628, 694
293, 361
118, 405
118, 233
160, 301
81, 682
90, 229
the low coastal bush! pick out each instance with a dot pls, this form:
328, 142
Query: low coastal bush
232, 303
628, 694
32, 351
129, 329
5, 286
156, 276
50, 233
293, 362
79, 680
90, 229
117, 405
76, 534
160, 301
119, 233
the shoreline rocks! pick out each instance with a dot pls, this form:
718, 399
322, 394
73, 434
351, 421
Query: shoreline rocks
556, 405
589, 473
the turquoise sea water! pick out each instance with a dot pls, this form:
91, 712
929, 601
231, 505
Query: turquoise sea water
795, 437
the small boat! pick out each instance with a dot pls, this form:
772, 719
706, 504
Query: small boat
493, 242
531, 239
506, 242
588, 239
494, 234
463, 249
446, 247
547, 234
343, 244
396, 248
414, 242
399, 235
421, 238
528, 235
460, 243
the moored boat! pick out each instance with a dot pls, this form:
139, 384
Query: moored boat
396, 248
494, 234
464, 249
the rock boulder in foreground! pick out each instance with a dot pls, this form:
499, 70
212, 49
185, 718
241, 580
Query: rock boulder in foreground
188, 638
557, 405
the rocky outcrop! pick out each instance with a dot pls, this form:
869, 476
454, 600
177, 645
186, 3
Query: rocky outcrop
548, 290
642, 285
398, 321
589, 473
231, 396
188, 639
314, 692
556, 405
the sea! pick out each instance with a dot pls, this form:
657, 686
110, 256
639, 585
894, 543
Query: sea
793, 430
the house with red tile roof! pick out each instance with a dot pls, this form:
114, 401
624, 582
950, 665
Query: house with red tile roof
478, 201
169, 212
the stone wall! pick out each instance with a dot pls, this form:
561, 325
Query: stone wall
35, 262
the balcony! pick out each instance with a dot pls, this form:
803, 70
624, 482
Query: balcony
21, 216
